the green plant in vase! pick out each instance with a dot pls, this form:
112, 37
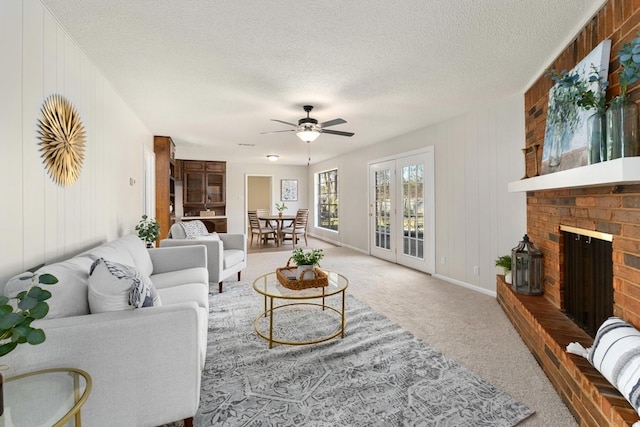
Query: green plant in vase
281, 207
504, 262
306, 261
148, 230
622, 114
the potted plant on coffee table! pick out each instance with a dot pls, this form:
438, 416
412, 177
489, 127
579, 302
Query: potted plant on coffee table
306, 261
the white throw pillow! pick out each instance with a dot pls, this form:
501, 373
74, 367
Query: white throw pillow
114, 287
616, 354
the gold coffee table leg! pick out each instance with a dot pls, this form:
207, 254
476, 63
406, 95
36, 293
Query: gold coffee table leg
343, 325
271, 323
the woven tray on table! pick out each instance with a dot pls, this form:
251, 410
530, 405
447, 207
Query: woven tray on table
320, 279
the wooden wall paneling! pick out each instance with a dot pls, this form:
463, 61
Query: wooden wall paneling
61, 196
86, 97
457, 248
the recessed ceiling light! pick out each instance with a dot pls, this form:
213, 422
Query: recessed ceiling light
273, 157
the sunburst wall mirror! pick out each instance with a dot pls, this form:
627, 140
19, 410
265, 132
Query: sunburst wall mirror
62, 140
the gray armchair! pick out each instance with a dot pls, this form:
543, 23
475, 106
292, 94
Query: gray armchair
226, 253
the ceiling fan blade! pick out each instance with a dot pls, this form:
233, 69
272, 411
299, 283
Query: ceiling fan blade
286, 123
333, 123
336, 132
277, 131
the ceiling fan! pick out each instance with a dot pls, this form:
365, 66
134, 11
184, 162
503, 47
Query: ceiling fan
308, 128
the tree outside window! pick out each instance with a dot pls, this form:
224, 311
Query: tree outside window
327, 199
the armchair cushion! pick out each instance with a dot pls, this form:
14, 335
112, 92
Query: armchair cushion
232, 257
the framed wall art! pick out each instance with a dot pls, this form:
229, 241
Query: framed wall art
289, 190
565, 138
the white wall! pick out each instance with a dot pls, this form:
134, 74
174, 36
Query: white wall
39, 220
476, 155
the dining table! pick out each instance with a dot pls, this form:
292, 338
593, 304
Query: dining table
279, 221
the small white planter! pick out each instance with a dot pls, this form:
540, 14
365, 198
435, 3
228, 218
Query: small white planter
307, 274
507, 278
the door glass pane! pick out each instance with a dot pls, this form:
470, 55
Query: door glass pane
383, 209
413, 210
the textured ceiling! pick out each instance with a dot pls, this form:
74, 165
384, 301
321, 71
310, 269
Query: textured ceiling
211, 74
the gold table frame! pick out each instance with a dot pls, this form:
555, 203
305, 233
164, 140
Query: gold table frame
78, 398
268, 286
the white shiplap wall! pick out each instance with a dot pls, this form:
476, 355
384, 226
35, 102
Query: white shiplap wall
40, 221
476, 156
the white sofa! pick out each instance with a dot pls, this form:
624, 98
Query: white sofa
145, 363
226, 253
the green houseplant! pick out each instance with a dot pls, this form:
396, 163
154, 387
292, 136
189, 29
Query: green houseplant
504, 262
306, 261
148, 230
281, 207
15, 321
622, 114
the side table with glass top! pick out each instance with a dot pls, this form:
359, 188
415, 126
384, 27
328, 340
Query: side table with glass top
48, 397
269, 286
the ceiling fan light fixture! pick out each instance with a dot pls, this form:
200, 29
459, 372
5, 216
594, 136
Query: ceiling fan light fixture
273, 157
308, 135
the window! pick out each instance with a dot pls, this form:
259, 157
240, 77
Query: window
327, 200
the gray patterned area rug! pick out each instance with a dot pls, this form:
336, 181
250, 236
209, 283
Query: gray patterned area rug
378, 375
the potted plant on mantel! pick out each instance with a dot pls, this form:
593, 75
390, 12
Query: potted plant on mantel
504, 262
306, 261
148, 230
622, 114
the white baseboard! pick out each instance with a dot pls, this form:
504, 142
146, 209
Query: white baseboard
335, 242
466, 285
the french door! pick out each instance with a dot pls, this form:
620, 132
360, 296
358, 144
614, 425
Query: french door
401, 209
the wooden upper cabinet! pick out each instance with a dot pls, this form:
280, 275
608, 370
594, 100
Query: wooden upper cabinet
204, 185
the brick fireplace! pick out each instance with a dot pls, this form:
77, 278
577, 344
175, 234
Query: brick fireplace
611, 209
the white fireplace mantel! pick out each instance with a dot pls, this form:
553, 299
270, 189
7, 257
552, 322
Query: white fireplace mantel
622, 171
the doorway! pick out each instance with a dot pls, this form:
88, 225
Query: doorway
401, 209
258, 193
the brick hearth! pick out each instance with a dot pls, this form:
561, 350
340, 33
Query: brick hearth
592, 400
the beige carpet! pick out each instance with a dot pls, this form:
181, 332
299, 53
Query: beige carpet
465, 325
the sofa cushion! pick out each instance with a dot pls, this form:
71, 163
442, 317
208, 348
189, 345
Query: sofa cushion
232, 257
180, 277
114, 287
69, 295
616, 354
114, 251
138, 251
196, 292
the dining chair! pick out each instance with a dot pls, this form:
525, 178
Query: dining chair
298, 228
262, 232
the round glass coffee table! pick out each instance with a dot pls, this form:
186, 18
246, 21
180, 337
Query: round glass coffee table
49, 397
269, 286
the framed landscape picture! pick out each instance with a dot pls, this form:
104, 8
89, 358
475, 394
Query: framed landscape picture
565, 139
289, 190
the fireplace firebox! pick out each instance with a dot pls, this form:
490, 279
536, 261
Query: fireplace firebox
588, 278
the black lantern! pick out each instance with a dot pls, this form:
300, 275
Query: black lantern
526, 268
